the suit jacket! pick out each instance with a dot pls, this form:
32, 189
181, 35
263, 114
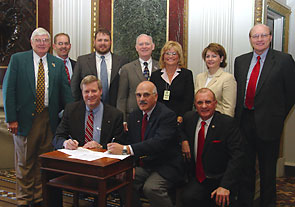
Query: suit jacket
274, 95
73, 125
181, 91
73, 63
86, 65
19, 91
222, 153
130, 76
160, 150
224, 86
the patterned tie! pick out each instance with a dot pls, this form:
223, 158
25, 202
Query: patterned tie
104, 79
40, 92
200, 174
250, 93
67, 71
89, 128
143, 126
146, 72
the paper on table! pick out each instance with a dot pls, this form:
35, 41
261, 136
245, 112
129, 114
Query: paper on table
89, 155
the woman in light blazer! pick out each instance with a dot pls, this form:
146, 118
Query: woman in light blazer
222, 83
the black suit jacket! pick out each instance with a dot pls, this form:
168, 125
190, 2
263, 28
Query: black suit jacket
73, 125
73, 63
222, 153
160, 150
181, 91
275, 93
86, 65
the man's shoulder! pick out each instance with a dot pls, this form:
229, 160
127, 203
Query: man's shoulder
110, 109
131, 65
23, 54
245, 55
86, 56
224, 119
119, 58
162, 110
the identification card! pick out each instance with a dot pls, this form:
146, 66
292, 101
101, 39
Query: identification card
166, 95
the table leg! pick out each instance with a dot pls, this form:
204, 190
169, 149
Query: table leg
102, 197
129, 178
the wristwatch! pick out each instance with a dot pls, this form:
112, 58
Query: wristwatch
124, 151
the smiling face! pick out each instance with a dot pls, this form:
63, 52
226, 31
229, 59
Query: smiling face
260, 38
171, 57
102, 43
213, 60
62, 46
91, 94
40, 44
205, 103
144, 47
145, 96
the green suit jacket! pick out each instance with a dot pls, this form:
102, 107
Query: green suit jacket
19, 91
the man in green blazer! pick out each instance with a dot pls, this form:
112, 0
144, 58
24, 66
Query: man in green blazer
35, 89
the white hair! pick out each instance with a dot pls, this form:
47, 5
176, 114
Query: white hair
39, 31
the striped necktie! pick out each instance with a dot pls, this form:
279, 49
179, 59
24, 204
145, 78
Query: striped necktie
89, 128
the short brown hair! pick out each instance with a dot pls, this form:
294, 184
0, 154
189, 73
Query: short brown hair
218, 49
60, 34
90, 79
103, 31
175, 45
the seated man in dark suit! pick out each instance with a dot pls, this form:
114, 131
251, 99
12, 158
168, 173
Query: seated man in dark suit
151, 138
89, 122
215, 154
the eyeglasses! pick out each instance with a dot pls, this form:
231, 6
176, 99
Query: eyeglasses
145, 95
199, 103
256, 36
63, 43
171, 53
42, 40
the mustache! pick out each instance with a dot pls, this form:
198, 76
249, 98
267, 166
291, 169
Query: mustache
142, 102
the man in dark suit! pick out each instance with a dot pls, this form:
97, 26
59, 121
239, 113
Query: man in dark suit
35, 88
101, 63
215, 154
265, 95
135, 72
62, 47
107, 120
152, 140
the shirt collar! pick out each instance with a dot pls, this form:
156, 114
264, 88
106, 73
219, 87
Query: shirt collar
262, 56
37, 57
108, 55
98, 108
149, 61
150, 112
67, 59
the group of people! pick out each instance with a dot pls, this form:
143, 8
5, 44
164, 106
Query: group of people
147, 106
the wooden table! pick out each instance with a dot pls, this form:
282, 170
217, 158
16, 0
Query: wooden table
95, 177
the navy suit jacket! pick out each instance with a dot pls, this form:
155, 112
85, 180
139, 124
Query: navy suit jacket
159, 150
73, 125
223, 150
275, 93
86, 65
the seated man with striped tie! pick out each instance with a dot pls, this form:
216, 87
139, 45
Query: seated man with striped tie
152, 140
215, 154
89, 122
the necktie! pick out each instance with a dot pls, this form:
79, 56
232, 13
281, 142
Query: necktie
146, 72
104, 79
200, 174
143, 126
67, 71
89, 128
40, 92
250, 93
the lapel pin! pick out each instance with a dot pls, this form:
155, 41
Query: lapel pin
109, 122
138, 121
53, 64
213, 126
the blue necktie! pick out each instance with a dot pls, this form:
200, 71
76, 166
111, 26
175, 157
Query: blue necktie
104, 79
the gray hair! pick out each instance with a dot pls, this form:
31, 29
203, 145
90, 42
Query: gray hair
145, 36
40, 31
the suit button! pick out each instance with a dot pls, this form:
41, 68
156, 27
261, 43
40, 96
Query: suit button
33, 114
35, 102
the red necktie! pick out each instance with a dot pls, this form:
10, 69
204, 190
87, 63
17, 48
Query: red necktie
200, 174
67, 71
143, 126
89, 128
250, 93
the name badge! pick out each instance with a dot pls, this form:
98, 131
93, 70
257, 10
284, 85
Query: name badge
166, 95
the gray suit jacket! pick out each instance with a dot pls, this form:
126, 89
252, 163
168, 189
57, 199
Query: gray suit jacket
86, 65
130, 76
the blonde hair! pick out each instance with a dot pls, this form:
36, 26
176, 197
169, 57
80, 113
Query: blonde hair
177, 47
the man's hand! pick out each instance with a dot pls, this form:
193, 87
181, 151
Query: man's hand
12, 127
92, 145
115, 148
186, 152
221, 196
71, 144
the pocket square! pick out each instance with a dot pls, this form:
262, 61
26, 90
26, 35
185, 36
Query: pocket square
216, 141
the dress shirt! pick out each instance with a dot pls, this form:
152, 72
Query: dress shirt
36, 59
68, 64
108, 59
97, 120
208, 121
150, 63
253, 63
209, 78
165, 75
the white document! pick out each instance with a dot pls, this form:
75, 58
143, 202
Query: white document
89, 155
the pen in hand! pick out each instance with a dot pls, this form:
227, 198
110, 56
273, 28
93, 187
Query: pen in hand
113, 140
